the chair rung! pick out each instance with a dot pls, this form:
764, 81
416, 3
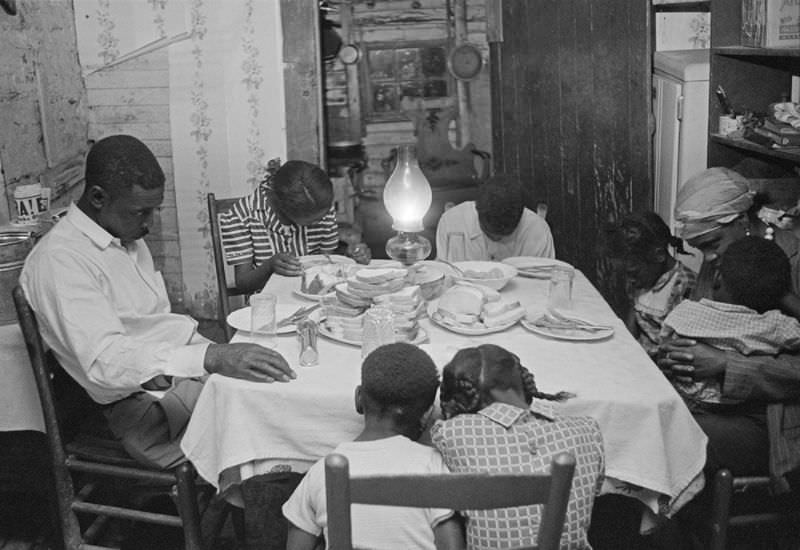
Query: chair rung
120, 471
126, 513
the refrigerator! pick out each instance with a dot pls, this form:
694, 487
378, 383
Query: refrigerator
680, 142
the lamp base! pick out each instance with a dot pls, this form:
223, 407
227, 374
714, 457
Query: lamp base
408, 248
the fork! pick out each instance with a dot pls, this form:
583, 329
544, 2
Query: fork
297, 315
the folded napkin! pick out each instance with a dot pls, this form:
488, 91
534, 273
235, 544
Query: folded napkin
553, 320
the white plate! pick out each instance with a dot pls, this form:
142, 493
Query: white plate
434, 316
568, 333
522, 262
498, 283
320, 259
240, 319
422, 336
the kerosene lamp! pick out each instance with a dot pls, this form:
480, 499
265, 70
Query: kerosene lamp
407, 197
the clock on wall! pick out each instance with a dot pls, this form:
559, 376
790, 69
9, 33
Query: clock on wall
465, 61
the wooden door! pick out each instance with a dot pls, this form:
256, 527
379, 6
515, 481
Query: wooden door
571, 102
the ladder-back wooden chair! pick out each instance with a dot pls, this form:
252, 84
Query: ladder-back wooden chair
763, 510
457, 491
225, 291
96, 463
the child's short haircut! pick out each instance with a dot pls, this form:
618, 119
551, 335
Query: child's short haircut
644, 232
500, 204
400, 375
302, 188
756, 273
482, 368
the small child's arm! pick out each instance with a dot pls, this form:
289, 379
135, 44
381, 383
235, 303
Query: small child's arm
297, 539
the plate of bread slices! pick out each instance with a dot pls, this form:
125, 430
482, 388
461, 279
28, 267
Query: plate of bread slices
474, 310
343, 321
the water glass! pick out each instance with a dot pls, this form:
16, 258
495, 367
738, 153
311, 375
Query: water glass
378, 329
559, 295
263, 322
307, 342
456, 247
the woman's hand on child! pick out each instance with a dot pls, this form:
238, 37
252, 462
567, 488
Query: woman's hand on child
687, 360
286, 264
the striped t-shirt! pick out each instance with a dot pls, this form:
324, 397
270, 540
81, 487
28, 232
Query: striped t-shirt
252, 232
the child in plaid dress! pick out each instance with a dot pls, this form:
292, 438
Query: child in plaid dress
656, 281
754, 274
497, 420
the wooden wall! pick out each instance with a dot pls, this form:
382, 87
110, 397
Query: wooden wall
42, 103
571, 116
133, 98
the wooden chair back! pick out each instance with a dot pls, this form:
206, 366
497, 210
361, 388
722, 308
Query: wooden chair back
767, 511
224, 290
458, 491
98, 459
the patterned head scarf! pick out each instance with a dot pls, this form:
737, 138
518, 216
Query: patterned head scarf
709, 200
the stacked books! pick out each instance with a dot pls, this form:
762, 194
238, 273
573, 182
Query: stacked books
781, 133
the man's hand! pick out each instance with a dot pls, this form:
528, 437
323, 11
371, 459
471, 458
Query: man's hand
687, 360
248, 362
286, 264
360, 253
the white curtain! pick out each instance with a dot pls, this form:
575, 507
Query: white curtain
226, 101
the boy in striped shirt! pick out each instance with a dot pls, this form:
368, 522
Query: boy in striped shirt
290, 214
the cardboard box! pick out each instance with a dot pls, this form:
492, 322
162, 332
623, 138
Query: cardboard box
771, 23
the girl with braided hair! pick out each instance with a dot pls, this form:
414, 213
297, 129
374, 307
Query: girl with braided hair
497, 420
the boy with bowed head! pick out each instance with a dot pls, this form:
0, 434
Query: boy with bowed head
497, 420
495, 226
398, 387
290, 214
104, 312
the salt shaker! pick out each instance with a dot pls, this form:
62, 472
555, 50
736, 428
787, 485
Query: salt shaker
307, 340
378, 329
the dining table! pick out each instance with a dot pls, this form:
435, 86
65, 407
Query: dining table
654, 449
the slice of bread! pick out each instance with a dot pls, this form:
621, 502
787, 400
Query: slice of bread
490, 294
344, 295
502, 314
377, 275
462, 300
371, 290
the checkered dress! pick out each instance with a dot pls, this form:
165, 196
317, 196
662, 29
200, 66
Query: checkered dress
252, 232
504, 438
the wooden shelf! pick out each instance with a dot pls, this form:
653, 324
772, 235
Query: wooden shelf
745, 51
745, 145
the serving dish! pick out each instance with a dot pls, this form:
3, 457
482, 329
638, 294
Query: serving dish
598, 332
506, 272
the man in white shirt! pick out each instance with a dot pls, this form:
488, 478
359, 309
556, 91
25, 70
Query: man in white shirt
494, 227
103, 309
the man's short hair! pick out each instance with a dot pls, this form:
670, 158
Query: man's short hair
500, 204
756, 273
400, 375
122, 162
302, 188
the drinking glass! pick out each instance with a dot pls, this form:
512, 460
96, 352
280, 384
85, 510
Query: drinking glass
456, 247
559, 295
378, 329
263, 322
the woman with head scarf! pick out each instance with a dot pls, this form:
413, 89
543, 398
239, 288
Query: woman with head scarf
713, 209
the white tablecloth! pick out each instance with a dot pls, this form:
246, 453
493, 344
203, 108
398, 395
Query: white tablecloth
20, 408
651, 440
